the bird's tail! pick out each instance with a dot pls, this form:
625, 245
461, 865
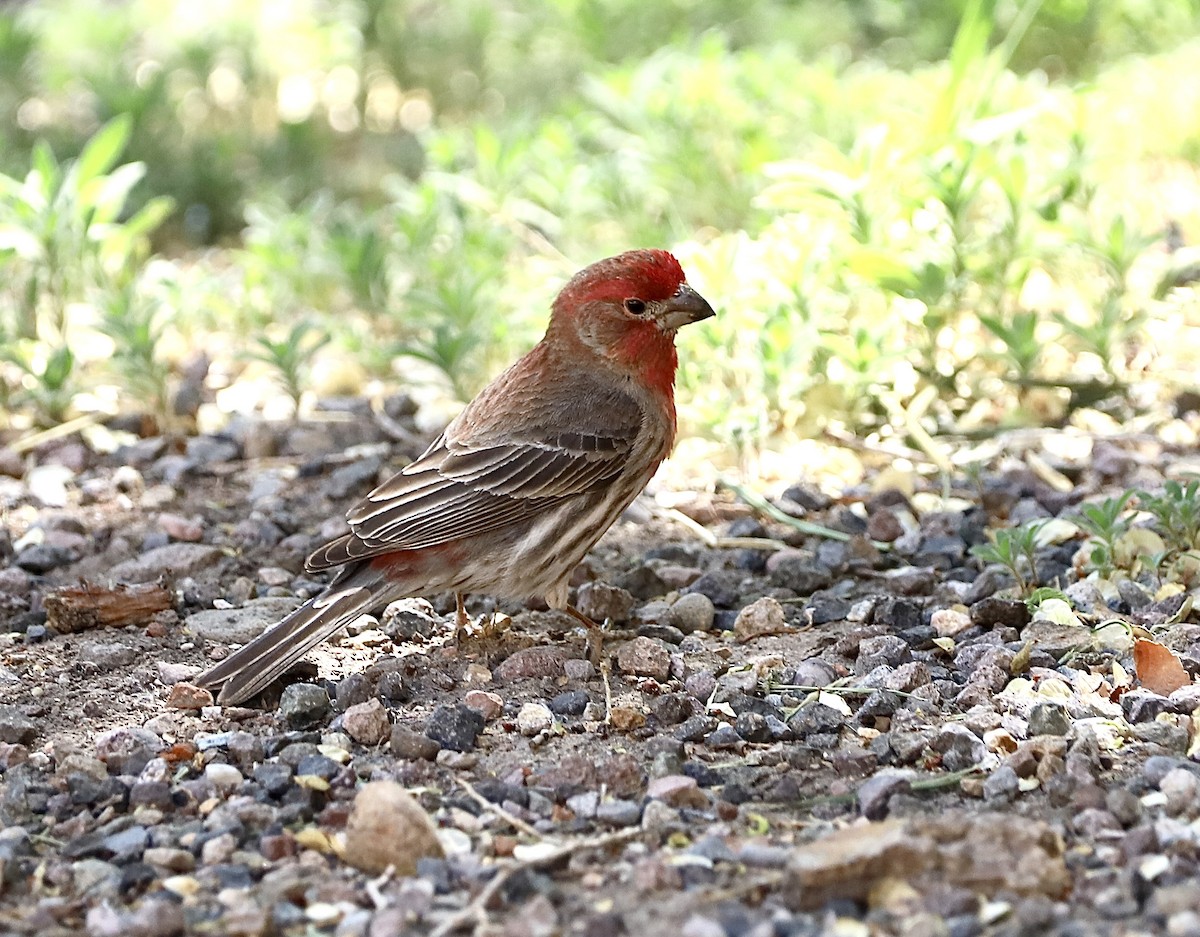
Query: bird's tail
251, 668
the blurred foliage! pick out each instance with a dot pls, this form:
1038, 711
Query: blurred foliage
912, 217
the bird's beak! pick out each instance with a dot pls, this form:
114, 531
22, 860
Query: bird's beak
684, 307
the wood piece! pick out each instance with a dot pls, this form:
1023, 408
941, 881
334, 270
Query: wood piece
87, 606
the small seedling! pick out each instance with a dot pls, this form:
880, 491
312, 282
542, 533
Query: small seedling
1015, 549
1106, 523
291, 357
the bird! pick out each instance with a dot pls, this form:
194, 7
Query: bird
522, 483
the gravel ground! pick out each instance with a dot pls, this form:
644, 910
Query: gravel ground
788, 734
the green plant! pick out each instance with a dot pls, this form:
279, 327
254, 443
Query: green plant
1015, 549
48, 380
133, 321
291, 356
1106, 522
62, 230
1176, 511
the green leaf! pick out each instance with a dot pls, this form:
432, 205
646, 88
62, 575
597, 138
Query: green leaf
102, 150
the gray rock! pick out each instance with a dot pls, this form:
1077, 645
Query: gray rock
691, 613
876, 791
413, 746
172, 560
126, 845
815, 719
570, 703
1002, 785
883, 650
239, 625
601, 602
992, 611
959, 746
41, 558
15, 727
619, 813
1049, 719
107, 655
455, 727
127, 749
304, 704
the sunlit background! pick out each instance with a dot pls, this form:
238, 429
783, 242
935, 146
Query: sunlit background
919, 221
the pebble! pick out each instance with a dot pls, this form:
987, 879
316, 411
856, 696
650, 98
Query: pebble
691, 613
413, 746
876, 791
188, 696
762, 617
601, 602
619, 813
578, 670
948, 622
1049, 719
454, 727
127, 749
304, 704
168, 562
677, 790
189, 530
700, 685
798, 571
991, 612
570, 703
885, 650
489, 705
645, 657
367, 723
224, 778
388, 827
16, 727
959, 746
239, 625
534, 718
529, 663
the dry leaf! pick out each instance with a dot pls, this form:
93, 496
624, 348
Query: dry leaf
1157, 667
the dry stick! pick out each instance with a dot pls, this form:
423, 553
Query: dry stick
58, 432
607, 693
514, 821
712, 540
808, 527
477, 909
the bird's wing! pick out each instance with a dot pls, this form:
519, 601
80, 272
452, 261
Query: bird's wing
462, 486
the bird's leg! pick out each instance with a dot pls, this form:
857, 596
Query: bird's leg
461, 619
595, 641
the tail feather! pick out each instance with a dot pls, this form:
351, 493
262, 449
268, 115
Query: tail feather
251, 668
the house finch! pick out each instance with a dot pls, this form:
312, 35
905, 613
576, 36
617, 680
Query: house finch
523, 482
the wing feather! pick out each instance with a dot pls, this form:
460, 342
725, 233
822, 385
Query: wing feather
458, 489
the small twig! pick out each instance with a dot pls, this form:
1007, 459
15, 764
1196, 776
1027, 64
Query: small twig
896, 451
712, 540
57, 432
843, 690
921, 784
607, 693
512, 820
477, 909
391, 428
807, 527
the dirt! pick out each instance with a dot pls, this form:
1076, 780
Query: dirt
911, 798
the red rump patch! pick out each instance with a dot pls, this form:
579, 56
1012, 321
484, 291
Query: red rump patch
648, 275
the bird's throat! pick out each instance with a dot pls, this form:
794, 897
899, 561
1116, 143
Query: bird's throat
649, 353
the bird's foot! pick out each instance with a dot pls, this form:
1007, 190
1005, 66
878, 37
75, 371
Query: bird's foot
595, 635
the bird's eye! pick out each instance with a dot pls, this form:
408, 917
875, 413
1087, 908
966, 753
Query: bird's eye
636, 306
